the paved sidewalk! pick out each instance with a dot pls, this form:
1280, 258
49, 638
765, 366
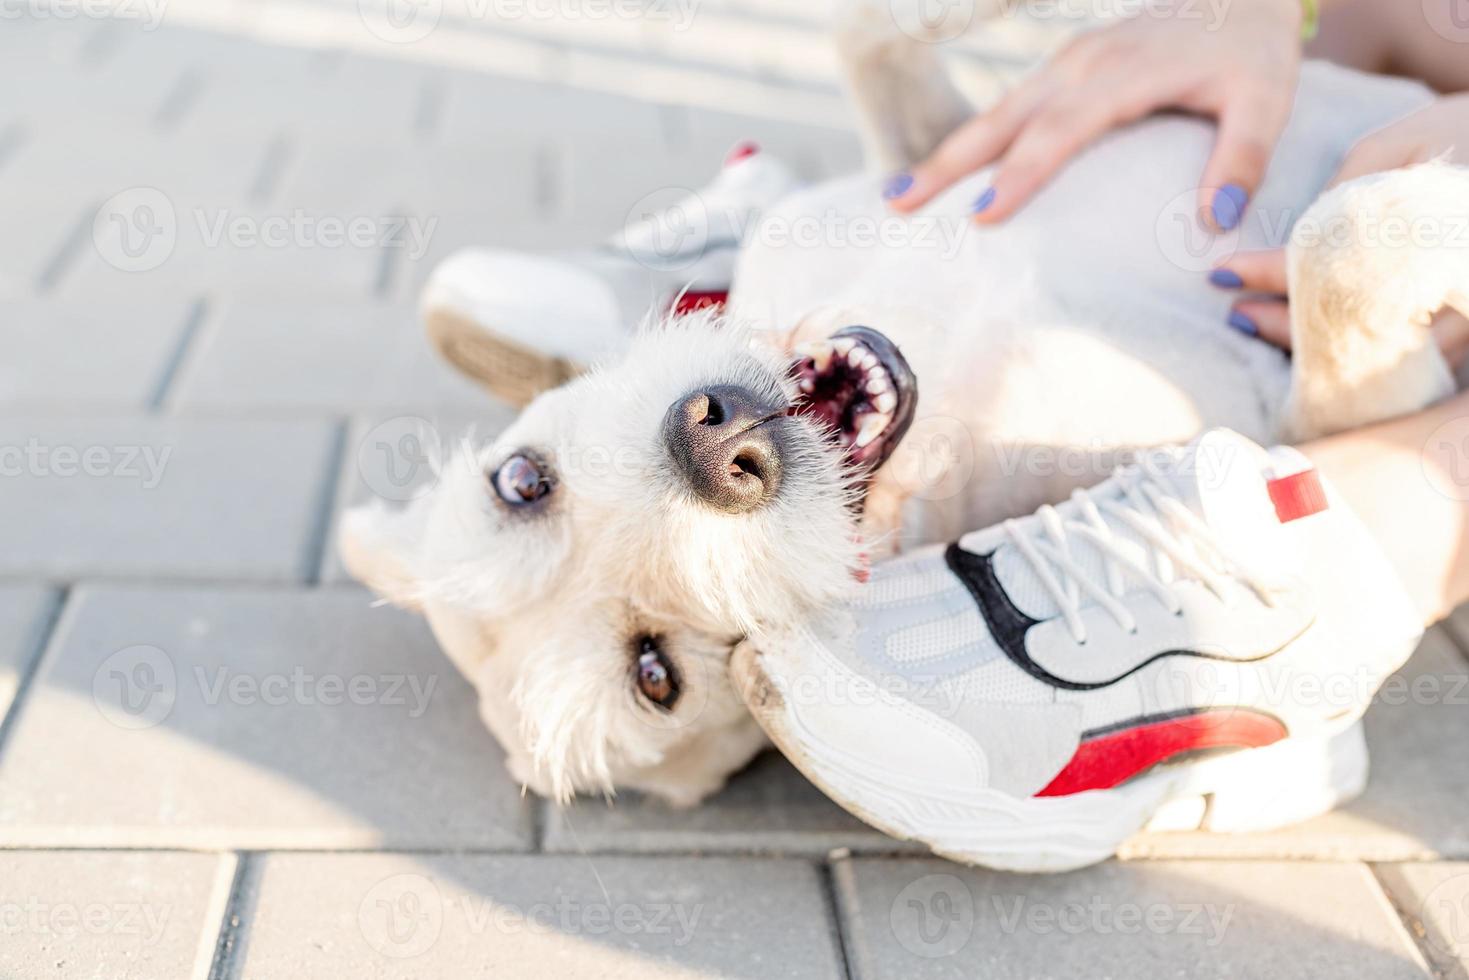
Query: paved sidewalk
219, 759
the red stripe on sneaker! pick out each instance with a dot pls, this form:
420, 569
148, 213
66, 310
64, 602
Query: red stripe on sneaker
691, 302
740, 151
1298, 495
1113, 758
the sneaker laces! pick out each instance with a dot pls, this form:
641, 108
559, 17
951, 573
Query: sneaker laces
1152, 511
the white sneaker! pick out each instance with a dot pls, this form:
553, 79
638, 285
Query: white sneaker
520, 323
1191, 644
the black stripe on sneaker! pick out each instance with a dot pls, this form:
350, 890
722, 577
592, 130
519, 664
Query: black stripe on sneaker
1008, 625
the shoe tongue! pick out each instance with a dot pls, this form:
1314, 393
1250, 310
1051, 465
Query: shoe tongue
1232, 477
1220, 477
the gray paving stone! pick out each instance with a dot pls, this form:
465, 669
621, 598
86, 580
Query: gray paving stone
1413, 807
388, 458
103, 67
504, 192
25, 617
240, 54
346, 177
235, 718
405, 915
27, 33
1434, 901
164, 497
512, 177
711, 78
52, 217
485, 108
768, 808
218, 246
314, 93
178, 79
911, 918
194, 211
74, 356
95, 156
319, 357
124, 916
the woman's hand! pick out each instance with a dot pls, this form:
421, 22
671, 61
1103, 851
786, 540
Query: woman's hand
1440, 130
1241, 71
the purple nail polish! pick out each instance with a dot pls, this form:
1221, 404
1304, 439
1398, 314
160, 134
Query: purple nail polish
983, 201
1226, 279
1229, 206
896, 186
1243, 324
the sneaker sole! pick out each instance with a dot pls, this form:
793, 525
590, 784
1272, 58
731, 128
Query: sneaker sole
1253, 789
510, 371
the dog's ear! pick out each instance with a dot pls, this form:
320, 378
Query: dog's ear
379, 547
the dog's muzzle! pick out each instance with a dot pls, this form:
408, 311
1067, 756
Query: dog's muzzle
726, 442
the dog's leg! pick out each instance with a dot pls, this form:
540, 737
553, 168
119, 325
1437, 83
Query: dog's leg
905, 100
1369, 266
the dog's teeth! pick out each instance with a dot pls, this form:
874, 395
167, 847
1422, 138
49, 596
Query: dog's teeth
855, 356
843, 344
885, 402
871, 427
819, 354
807, 385
877, 384
869, 360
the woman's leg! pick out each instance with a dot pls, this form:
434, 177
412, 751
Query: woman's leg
1408, 480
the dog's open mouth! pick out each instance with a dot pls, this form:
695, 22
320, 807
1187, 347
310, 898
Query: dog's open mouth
858, 383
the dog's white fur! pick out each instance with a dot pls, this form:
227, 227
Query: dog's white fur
1044, 349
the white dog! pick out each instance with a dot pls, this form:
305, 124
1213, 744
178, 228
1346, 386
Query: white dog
591, 569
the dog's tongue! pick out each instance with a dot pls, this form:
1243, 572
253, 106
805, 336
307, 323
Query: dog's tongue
1221, 478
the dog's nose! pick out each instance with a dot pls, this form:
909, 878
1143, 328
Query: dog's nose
726, 441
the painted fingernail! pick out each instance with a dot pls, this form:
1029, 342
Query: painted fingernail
896, 186
1226, 279
983, 201
1229, 206
1243, 324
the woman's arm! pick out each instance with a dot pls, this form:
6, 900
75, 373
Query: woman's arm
1239, 66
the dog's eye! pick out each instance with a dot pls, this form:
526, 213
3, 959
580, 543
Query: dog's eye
656, 678
520, 480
